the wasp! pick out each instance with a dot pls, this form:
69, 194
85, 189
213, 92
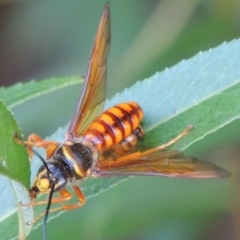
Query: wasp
105, 144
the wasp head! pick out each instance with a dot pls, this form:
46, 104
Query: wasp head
48, 175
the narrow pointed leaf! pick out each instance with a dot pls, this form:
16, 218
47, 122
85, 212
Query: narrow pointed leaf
202, 91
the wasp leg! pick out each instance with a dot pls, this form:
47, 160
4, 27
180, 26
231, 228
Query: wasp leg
35, 141
176, 139
80, 197
131, 141
64, 196
166, 145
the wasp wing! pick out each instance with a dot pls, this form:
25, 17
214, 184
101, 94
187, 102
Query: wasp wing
91, 101
159, 163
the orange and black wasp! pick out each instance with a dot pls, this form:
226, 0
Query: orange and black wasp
105, 144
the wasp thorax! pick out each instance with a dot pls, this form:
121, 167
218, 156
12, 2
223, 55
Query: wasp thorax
77, 158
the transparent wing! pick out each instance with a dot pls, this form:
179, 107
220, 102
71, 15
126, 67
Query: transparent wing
91, 101
159, 163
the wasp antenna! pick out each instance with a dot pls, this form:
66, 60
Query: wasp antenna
15, 135
47, 212
43, 161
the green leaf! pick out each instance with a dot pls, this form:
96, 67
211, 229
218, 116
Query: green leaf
14, 165
202, 91
195, 92
12, 156
21, 92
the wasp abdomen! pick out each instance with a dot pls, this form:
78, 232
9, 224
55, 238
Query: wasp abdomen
114, 125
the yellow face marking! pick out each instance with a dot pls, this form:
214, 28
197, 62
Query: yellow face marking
43, 184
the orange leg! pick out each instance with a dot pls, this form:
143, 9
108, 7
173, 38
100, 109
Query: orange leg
35, 141
166, 145
64, 196
176, 139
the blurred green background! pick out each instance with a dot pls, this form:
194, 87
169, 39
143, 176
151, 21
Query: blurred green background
42, 39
